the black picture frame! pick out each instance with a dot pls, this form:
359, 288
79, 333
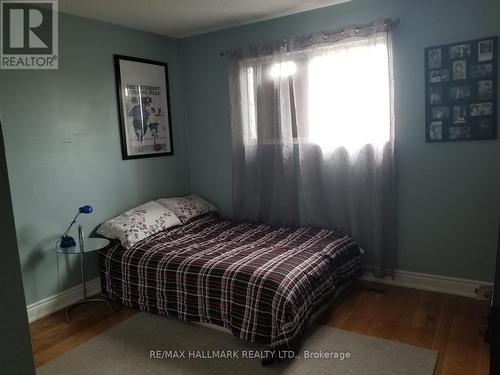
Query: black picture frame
461, 85
144, 105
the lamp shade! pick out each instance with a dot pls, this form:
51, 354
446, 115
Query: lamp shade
86, 209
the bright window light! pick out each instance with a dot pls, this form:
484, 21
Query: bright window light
283, 70
344, 99
349, 98
251, 131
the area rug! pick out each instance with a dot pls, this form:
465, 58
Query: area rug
150, 344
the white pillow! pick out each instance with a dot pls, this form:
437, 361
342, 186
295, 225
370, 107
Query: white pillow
188, 207
138, 223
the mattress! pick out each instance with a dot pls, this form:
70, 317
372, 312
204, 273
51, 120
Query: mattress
263, 283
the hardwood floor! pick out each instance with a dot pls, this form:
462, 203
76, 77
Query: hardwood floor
52, 336
453, 326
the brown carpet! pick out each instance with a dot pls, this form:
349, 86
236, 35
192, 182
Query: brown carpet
126, 349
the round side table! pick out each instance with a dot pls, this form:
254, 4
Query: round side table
87, 245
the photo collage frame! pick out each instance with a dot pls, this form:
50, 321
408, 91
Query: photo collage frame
461, 91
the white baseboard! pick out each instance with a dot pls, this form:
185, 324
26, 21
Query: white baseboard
433, 283
59, 301
407, 279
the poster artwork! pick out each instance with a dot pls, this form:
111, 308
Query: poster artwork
145, 118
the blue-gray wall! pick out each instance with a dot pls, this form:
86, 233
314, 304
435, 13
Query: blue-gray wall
448, 194
63, 145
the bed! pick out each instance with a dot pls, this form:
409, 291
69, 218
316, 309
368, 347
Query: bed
263, 283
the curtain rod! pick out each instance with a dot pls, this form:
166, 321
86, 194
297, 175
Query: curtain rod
388, 22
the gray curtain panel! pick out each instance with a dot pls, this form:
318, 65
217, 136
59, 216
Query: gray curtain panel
264, 161
313, 136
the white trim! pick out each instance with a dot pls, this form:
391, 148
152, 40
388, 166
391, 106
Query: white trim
407, 279
433, 283
59, 301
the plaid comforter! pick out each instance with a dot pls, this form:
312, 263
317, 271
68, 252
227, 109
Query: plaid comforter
263, 283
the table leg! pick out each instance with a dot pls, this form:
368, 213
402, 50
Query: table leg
84, 280
67, 312
85, 297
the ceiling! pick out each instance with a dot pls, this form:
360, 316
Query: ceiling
182, 18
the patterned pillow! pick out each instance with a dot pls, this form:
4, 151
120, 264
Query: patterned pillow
188, 207
138, 223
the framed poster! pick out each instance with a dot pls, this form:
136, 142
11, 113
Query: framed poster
144, 104
461, 91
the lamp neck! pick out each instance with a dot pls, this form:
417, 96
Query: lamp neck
71, 224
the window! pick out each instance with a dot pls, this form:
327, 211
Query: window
349, 98
338, 96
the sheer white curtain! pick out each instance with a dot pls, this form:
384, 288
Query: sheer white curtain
313, 136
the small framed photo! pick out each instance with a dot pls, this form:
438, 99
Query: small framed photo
485, 128
459, 92
481, 71
459, 70
439, 113
459, 51
144, 103
441, 75
435, 58
485, 89
481, 109
436, 130
459, 114
485, 51
436, 94
460, 132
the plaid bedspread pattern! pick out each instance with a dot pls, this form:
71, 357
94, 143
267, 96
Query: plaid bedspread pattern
263, 283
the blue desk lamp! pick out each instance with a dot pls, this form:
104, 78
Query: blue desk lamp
68, 241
